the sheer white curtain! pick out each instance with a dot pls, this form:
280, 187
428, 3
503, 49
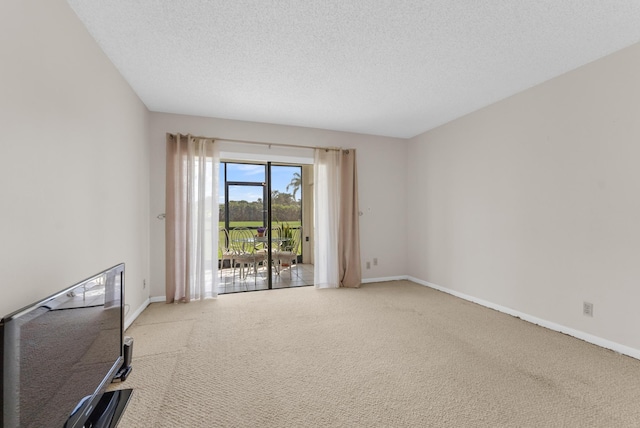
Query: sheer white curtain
191, 218
337, 233
326, 185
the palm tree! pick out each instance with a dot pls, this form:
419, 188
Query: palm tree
296, 182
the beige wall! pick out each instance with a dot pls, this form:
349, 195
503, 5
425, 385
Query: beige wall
382, 193
74, 159
533, 203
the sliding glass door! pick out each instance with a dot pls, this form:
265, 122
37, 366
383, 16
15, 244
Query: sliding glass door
286, 211
264, 196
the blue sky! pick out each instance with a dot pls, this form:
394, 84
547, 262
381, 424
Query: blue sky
280, 177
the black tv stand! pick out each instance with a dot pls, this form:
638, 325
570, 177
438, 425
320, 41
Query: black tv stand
109, 409
122, 374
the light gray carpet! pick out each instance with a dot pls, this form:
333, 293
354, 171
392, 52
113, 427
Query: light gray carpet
392, 354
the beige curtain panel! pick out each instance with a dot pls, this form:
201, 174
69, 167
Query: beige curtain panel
191, 179
337, 232
349, 227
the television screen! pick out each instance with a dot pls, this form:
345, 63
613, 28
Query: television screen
59, 354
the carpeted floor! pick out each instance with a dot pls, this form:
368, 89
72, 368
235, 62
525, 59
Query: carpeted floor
393, 354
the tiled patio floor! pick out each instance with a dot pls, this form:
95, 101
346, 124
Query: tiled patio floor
297, 276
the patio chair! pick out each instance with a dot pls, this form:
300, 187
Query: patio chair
224, 248
287, 253
245, 256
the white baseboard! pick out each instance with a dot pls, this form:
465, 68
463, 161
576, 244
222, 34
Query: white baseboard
158, 299
604, 343
383, 279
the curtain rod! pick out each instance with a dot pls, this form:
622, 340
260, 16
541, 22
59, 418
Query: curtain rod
262, 143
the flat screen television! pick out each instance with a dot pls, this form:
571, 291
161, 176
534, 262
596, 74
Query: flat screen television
59, 355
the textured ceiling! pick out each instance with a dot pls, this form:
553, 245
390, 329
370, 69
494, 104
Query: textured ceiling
394, 68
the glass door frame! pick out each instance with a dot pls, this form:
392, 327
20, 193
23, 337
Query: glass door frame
267, 212
228, 184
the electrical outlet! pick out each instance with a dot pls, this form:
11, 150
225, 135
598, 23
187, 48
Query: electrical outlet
144, 284
587, 309
375, 261
368, 265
